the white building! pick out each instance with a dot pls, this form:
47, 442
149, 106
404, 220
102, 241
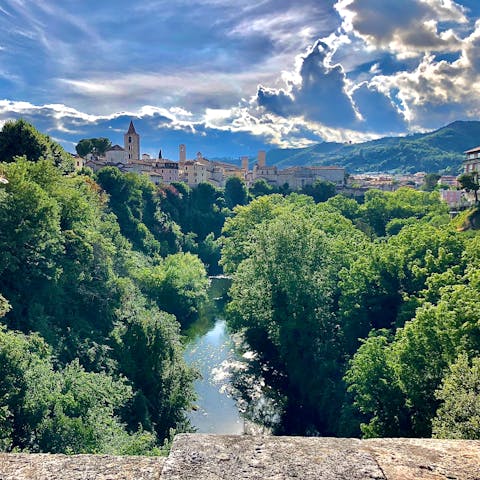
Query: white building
115, 154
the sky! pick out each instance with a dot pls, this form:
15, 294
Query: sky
229, 77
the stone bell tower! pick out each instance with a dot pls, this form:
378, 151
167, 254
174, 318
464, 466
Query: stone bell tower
132, 144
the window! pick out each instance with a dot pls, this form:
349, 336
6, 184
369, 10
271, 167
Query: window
129, 139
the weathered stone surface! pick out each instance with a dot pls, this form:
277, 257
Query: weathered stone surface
415, 458
208, 457
79, 467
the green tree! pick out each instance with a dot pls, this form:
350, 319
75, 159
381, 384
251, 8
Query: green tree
84, 147
178, 285
19, 138
261, 187
235, 192
149, 353
67, 274
60, 411
469, 181
320, 190
284, 300
459, 412
95, 146
377, 395
430, 181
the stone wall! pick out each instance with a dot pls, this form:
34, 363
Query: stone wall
213, 457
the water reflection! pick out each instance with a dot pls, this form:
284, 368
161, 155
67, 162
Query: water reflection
210, 349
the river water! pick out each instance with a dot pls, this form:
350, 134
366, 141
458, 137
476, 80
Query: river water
210, 349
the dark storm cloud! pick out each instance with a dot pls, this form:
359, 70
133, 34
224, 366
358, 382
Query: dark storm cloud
321, 96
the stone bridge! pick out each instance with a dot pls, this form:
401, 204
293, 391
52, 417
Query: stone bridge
214, 457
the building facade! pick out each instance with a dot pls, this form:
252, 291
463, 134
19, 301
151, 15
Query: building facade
131, 141
472, 160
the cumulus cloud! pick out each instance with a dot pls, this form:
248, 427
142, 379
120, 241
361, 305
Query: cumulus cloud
408, 28
320, 95
438, 91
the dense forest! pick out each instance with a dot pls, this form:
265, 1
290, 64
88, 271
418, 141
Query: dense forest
355, 318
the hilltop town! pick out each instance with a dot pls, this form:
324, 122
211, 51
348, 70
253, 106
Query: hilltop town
200, 169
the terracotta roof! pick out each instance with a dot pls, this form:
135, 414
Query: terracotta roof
115, 148
131, 128
473, 150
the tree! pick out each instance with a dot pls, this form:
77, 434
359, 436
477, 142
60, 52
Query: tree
320, 190
84, 147
284, 291
459, 414
19, 138
235, 192
430, 181
470, 182
95, 146
149, 352
60, 411
377, 395
66, 271
261, 187
178, 285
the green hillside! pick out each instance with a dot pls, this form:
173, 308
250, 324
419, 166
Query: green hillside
440, 150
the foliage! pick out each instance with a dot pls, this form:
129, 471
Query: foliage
19, 138
235, 192
430, 181
379, 317
260, 187
60, 411
66, 274
371, 378
459, 414
283, 300
177, 284
470, 182
149, 353
319, 190
95, 146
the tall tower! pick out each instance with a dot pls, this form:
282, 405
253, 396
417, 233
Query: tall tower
245, 164
182, 153
132, 144
261, 160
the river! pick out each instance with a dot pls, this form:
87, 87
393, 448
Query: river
210, 348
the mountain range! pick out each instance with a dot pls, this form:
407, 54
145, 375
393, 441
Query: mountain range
437, 151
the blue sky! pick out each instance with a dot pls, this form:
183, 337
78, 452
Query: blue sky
229, 77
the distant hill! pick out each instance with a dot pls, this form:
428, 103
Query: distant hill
437, 151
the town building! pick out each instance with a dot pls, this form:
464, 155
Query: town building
295, 177
115, 154
200, 169
455, 199
132, 144
472, 160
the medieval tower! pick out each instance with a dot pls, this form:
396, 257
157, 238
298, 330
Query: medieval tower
182, 153
132, 144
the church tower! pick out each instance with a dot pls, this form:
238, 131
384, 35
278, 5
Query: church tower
132, 144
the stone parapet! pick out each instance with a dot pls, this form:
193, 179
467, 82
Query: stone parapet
230, 457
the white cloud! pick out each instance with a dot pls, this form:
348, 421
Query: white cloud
407, 28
